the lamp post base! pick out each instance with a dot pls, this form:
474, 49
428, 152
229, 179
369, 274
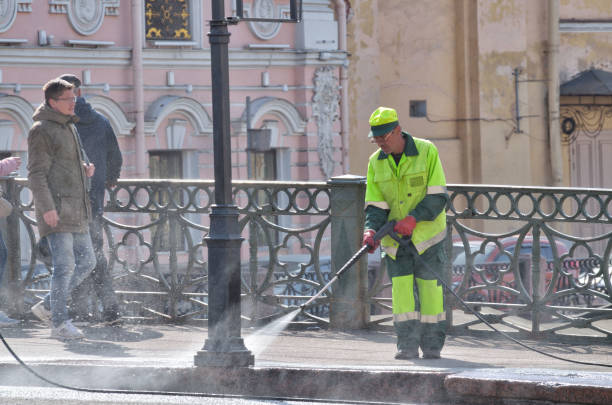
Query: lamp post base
224, 352
236, 358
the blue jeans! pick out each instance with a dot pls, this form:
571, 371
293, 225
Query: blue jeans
73, 259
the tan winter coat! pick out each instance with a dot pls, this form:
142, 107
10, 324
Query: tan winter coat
56, 173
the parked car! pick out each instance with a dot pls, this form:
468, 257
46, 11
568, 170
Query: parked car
494, 255
492, 266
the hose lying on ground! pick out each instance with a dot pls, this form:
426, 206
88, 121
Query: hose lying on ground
386, 230
177, 393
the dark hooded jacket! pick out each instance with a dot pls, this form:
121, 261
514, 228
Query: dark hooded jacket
100, 144
55, 171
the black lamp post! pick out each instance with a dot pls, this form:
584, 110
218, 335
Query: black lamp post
224, 346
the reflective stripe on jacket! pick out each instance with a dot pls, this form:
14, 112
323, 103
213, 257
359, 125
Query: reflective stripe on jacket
399, 188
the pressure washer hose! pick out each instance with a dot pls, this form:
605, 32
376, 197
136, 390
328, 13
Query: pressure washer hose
181, 394
504, 334
387, 229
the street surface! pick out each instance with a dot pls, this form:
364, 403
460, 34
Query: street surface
315, 363
175, 346
59, 396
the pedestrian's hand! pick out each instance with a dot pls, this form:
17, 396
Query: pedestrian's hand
89, 169
405, 226
368, 239
16, 162
51, 218
9, 164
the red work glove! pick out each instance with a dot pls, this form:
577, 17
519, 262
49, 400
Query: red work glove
368, 239
405, 226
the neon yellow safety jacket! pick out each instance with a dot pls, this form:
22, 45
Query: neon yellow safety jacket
400, 187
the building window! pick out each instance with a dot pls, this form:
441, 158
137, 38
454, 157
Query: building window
167, 164
168, 20
262, 165
418, 108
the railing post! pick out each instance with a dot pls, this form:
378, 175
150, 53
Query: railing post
174, 294
536, 313
349, 307
449, 299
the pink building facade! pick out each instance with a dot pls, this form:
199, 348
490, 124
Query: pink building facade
145, 65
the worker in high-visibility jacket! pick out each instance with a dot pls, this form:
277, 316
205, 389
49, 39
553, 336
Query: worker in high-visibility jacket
406, 183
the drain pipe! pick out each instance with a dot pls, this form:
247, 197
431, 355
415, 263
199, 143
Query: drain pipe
138, 88
554, 129
344, 123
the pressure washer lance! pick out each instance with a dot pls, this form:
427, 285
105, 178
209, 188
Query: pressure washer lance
406, 241
387, 229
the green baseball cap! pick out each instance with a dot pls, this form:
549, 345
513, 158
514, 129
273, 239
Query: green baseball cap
382, 121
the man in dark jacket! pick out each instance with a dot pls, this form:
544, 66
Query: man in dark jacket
100, 144
57, 171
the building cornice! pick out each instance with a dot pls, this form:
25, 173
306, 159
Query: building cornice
184, 58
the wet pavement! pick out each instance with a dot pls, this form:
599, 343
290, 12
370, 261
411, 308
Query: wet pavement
315, 363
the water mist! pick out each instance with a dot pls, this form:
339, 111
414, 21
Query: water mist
259, 340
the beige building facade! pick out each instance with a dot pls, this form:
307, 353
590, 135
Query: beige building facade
488, 81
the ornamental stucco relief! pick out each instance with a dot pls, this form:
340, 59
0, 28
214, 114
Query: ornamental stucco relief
85, 16
264, 9
9, 9
325, 110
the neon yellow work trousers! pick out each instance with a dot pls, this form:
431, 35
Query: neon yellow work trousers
418, 314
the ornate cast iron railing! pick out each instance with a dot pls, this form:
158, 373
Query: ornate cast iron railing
546, 271
155, 240
535, 260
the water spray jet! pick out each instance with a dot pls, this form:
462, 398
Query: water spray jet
262, 338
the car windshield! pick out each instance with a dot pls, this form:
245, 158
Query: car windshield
493, 255
545, 252
479, 258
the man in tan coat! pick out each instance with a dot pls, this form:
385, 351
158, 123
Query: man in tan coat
58, 179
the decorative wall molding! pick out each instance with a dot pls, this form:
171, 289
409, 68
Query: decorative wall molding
175, 133
185, 58
85, 16
20, 110
7, 130
166, 105
265, 9
325, 106
583, 119
24, 6
111, 110
286, 112
9, 10
585, 26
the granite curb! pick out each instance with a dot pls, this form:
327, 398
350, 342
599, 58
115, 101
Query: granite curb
484, 386
346, 366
